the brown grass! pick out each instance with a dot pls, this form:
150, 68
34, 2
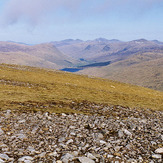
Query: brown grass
42, 89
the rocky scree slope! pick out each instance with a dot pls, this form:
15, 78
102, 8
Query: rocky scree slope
118, 135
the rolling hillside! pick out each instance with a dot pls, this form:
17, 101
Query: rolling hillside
44, 89
144, 69
42, 55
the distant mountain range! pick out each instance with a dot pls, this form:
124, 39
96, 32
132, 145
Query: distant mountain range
42, 55
137, 62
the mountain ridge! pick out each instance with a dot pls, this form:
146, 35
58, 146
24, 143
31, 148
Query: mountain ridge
129, 58
99, 57
41, 55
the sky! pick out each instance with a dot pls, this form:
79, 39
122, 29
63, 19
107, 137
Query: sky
38, 21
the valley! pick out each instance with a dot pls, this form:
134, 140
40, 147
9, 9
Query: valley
136, 62
110, 59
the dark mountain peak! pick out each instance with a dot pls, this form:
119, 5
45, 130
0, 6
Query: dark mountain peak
79, 40
106, 48
114, 40
72, 40
140, 41
18, 42
157, 42
101, 39
88, 47
67, 42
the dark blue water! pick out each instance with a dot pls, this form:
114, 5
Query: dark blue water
71, 69
98, 64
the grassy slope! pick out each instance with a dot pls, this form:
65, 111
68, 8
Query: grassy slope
33, 88
142, 69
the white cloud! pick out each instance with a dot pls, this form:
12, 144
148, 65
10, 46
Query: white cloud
33, 11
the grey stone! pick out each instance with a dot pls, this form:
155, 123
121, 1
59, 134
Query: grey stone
72, 133
42, 154
1, 161
53, 154
100, 136
75, 153
120, 133
117, 148
25, 158
69, 141
116, 162
4, 147
162, 137
8, 113
85, 160
102, 142
103, 125
109, 145
91, 156
67, 157
1, 131
159, 151
64, 115
127, 132
156, 156
31, 149
21, 136
4, 156
110, 156
22, 121
58, 161
61, 139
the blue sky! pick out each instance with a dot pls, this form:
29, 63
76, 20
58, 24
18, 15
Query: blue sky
37, 21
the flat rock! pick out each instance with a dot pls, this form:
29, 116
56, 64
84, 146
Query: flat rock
1, 161
91, 156
127, 132
159, 151
4, 156
25, 158
157, 156
85, 160
67, 158
69, 141
1, 131
120, 133
59, 161
110, 156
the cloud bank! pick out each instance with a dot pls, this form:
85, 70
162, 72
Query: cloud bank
32, 11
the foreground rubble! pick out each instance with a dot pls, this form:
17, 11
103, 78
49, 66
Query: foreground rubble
119, 135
